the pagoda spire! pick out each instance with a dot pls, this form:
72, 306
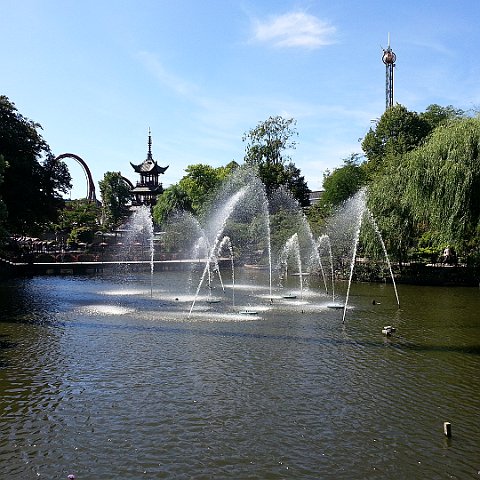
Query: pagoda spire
149, 155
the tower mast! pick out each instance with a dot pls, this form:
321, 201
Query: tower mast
389, 58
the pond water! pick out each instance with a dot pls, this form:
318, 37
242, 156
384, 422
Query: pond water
106, 379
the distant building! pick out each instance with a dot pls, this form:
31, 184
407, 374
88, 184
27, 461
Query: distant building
315, 196
149, 187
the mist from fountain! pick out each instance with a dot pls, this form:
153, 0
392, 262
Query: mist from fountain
284, 204
138, 240
326, 239
219, 223
380, 238
292, 248
343, 232
263, 234
358, 206
228, 243
343, 239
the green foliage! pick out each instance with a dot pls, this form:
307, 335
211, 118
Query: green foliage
173, 199
392, 212
432, 193
194, 192
398, 131
268, 140
179, 236
200, 183
33, 179
266, 144
276, 175
443, 181
435, 115
116, 196
78, 221
343, 182
338, 186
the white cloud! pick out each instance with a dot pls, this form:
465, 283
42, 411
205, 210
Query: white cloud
296, 29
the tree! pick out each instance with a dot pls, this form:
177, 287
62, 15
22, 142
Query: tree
443, 181
343, 182
173, 199
432, 192
274, 176
116, 195
436, 115
398, 131
78, 221
200, 183
33, 179
268, 140
265, 148
194, 192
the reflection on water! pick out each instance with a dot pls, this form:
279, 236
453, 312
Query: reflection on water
106, 380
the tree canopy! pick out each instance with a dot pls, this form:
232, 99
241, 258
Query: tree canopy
173, 199
33, 179
437, 115
194, 192
433, 191
78, 221
397, 131
443, 180
265, 151
116, 196
343, 182
267, 142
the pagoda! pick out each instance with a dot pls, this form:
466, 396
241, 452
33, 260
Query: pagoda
148, 188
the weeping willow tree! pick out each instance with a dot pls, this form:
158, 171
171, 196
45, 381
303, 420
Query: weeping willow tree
393, 215
434, 190
443, 181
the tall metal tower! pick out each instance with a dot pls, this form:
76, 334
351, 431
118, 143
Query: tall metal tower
389, 58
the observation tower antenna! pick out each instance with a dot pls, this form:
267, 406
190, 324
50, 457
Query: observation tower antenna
389, 58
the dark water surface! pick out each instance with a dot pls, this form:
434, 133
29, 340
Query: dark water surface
113, 380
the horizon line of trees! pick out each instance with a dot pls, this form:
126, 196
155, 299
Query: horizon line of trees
421, 171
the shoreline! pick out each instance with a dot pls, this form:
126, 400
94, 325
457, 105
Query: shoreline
413, 273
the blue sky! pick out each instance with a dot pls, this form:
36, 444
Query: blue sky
97, 74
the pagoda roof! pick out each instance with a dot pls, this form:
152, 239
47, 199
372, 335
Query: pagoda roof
149, 165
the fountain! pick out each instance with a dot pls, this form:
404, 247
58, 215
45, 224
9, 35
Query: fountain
239, 217
219, 227
358, 207
290, 218
321, 240
243, 228
344, 228
292, 248
138, 246
382, 243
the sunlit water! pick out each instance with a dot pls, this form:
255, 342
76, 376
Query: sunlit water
112, 379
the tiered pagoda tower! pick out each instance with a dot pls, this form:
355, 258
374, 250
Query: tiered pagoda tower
149, 187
